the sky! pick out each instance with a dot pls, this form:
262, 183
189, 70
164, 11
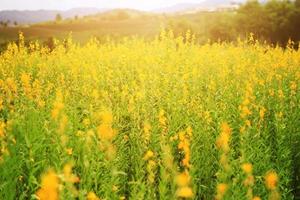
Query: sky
68, 4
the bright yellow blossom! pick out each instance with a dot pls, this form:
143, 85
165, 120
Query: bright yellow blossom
182, 179
184, 192
49, 187
247, 168
149, 154
92, 196
271, 180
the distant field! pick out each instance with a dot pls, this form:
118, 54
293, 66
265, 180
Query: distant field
132, 23
83, 30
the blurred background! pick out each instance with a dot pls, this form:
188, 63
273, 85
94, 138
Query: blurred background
273, 21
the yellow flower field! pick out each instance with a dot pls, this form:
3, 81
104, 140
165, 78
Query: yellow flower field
139, 119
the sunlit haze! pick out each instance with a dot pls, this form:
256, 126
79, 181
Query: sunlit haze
68, 4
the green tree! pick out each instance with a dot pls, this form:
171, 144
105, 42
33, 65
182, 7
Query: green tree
295, 21
58, 17
180, 26
279, 14
252, 18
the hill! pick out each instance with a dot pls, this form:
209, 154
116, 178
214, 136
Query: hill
207, 5
37, 16
116, 23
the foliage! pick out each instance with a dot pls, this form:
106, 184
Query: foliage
58, 18
274, 21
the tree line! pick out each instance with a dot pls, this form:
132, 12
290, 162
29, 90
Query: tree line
275, 21
6, 23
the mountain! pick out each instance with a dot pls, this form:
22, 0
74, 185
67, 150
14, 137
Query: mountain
36, 16
81, 12
177, 8
205, 5
215, 3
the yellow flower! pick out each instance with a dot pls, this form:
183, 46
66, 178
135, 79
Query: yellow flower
181, 136
105, 132
86, 122
226, 128
271, 180
184, 146
1, 104
150, 169
25, 78
246, 102
249, 181
54, 113
2, 129
293, 86
256, 198
147, 127
11, 85
95, 94
146, 135
106, 117
41, 103
248, 123
49, 187
69, 177
189, 131
223, 142
151, 164
186, 159
280, 94
149, 154
162, 119
58, 105
69, 151
182, 179
245, 111
224, 137
184, 192
92, 196
262, 113
222, 188
247, 168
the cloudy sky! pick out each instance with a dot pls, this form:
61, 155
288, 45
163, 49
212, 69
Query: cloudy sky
67, 4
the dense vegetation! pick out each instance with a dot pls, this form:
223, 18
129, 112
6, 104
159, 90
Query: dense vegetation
274, 22
159, 119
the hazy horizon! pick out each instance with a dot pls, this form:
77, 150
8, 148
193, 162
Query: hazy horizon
69, 4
